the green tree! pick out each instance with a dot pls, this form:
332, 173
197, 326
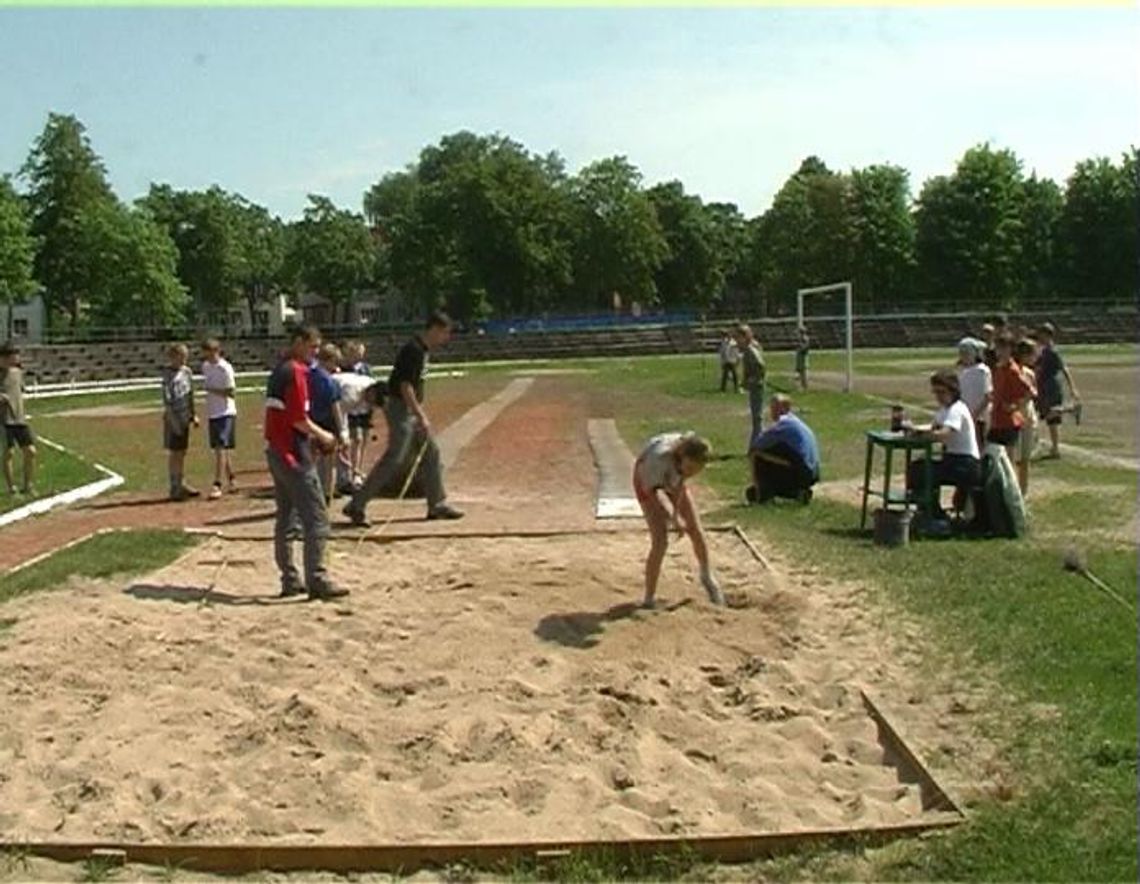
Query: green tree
332, 252
970, 231
131, 265
17, 251
1097, 230
693, 273
67, 181
478, 223
806, 237
883, 256
1041, 215
619, 244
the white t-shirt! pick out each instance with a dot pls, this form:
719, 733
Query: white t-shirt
962, 439
975, 382
352, 387
219, 376
657, 468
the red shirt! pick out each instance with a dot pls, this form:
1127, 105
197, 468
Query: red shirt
286, 404
1010, 388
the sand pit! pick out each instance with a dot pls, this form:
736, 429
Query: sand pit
477, 690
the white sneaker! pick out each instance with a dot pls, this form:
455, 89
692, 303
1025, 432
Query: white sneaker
215, 492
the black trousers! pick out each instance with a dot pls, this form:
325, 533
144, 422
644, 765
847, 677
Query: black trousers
779, 472
959, 470
727, 370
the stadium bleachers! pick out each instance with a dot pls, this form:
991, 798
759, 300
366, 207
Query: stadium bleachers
71, 363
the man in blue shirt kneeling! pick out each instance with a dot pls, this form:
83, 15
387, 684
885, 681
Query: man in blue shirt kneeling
784, 457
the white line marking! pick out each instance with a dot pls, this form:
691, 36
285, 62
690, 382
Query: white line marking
83, 492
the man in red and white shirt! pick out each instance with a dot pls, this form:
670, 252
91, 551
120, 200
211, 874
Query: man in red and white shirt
289, 435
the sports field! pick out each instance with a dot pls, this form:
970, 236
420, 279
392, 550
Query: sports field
503, 685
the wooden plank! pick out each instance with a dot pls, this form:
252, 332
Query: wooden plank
939, 800
238, 859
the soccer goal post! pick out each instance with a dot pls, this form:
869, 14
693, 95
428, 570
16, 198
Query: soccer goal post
844, 287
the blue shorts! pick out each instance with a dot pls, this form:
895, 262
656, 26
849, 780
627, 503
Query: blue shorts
223, 431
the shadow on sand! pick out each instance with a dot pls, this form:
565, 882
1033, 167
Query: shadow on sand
583, 629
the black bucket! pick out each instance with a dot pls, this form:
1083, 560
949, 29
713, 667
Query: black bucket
892, 527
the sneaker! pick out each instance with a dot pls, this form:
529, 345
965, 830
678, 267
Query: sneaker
444, 511
231, 487
215, 492
328, 593
187, 491
357, 517
289, 590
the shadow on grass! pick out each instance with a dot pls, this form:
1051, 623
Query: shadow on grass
166, 592
583, 629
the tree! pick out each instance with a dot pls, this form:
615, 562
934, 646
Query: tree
478, 223
1041, 214
970, 231
130, 263
17, 251
332, 252
67, 181
619, 244
693, 272
805, 238
883, 258
1097, 230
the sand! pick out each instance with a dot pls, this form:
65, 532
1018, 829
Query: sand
498, 689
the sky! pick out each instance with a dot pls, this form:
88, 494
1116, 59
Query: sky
279, 103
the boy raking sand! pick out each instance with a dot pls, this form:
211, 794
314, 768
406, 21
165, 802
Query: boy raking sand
659, 476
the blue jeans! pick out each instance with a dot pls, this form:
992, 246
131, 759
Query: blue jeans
756, 406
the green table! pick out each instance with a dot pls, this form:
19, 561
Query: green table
891, 442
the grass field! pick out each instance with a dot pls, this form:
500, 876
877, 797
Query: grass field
1055, 660
56, 471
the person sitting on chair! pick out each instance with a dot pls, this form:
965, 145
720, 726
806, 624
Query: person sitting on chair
953, 426
784, 457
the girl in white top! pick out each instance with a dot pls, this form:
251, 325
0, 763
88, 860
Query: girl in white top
953, 426
975, 383
659, 482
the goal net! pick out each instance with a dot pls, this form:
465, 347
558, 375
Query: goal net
832, 301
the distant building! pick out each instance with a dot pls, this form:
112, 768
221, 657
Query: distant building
24, 323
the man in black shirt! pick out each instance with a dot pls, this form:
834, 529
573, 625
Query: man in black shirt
409, 429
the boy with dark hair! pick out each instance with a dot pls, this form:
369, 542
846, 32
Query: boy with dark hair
178, 417
221, 412
1049, 369
290, 435
17, 433
408, 427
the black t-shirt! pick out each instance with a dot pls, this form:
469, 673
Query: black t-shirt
410, 367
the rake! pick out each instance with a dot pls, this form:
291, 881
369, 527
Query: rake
1075, 563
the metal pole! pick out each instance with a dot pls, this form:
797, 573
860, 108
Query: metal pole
850, 340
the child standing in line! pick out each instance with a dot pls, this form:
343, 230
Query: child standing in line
659, 482
1010, 394
1025, 352
177, 418
221, 412
324, 410
16, 430
360, 417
